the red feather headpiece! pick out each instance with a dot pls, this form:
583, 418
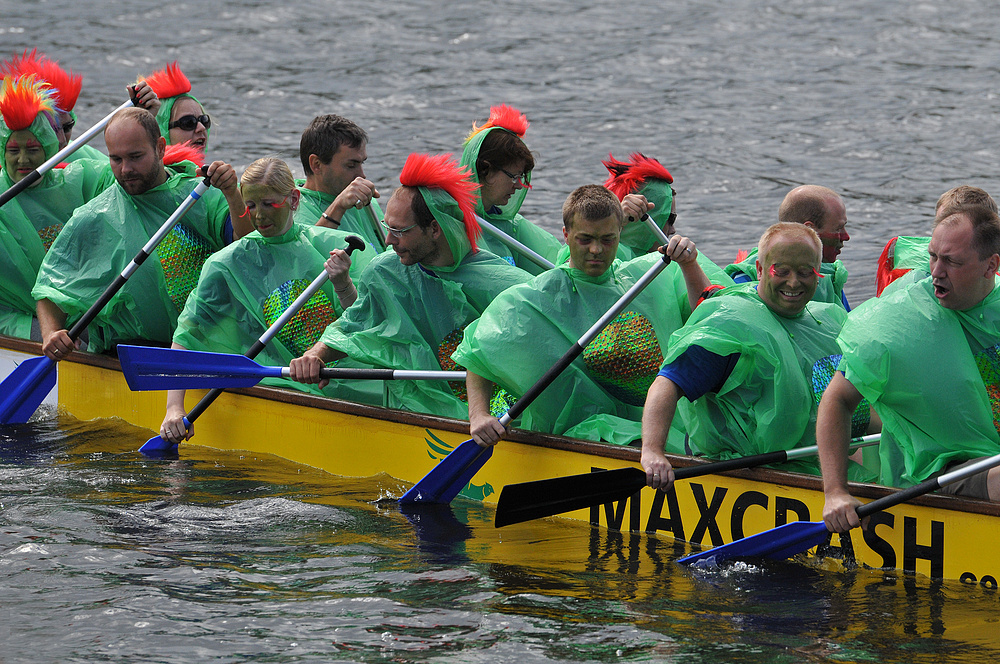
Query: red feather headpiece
628, 177
443, 172
22, 99
169, 82
183, 152
505, 117
65, 85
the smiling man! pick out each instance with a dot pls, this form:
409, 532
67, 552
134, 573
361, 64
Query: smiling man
413, 302
821, 209
739, 374
926, 356
529, 327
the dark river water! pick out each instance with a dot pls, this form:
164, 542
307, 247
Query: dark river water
216, 557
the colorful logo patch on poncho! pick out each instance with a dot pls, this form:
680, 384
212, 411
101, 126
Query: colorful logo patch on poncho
48, 235
182, 254
501, 401
822, 374
306, 327
625, 358
988, 361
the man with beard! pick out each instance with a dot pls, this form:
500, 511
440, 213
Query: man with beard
103, 235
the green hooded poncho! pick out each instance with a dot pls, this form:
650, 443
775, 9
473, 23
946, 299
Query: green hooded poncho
932, 375
104, 235
313, 204
767, 402
245, 287
600, 396
508, 219
407, 317
830, 288
637, 235
32, 220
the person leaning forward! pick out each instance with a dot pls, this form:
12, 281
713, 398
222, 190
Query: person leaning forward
103, 235
743, 364
926, 355
414, 302
529, 327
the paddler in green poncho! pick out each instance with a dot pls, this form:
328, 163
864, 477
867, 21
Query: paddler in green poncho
648, 183
102, 237
181, 117
529, 327
333, 151
823, 210
501, 163
904, 259
739, 373
248, 285
927, 356
31, 221
414, 302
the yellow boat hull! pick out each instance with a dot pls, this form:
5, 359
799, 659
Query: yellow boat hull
938, 536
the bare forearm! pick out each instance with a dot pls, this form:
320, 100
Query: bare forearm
50, 317
696, 281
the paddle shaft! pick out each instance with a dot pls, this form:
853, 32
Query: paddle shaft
577, 349
521, 248
657, 231
140, 258
927, 486
35, 175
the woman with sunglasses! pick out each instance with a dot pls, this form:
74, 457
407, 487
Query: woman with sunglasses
248, 285
501, 163
181, 117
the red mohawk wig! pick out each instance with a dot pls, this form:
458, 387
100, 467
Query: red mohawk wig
29, 62
169, 82
628, 177
21, 100
66, 85
505, 117
442, 172
183, 152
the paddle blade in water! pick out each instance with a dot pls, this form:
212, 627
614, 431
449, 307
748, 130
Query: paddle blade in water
156, 446
533, 500
25, 388
149, 368
447, 479
777, 543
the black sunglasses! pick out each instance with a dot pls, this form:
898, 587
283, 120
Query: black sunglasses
190, 122
68, 126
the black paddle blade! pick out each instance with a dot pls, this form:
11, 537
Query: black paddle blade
534, 500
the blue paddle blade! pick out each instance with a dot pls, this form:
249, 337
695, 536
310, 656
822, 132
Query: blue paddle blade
157, 447
778, 543
150, 368
25, 388
452, 474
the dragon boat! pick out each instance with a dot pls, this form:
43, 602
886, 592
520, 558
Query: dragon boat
938, 536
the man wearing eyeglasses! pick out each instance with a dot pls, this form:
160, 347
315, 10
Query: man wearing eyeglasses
414, 301
335, 192
822, 210
104, 234
739, 375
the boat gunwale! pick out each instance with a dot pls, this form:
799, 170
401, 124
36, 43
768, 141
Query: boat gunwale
532, 438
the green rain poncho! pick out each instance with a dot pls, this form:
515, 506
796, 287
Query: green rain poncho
932, 375
313, 204
105, 234
508, 219
600, 396
767, 402
830, 288
31, 221
245, 287
909, 262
